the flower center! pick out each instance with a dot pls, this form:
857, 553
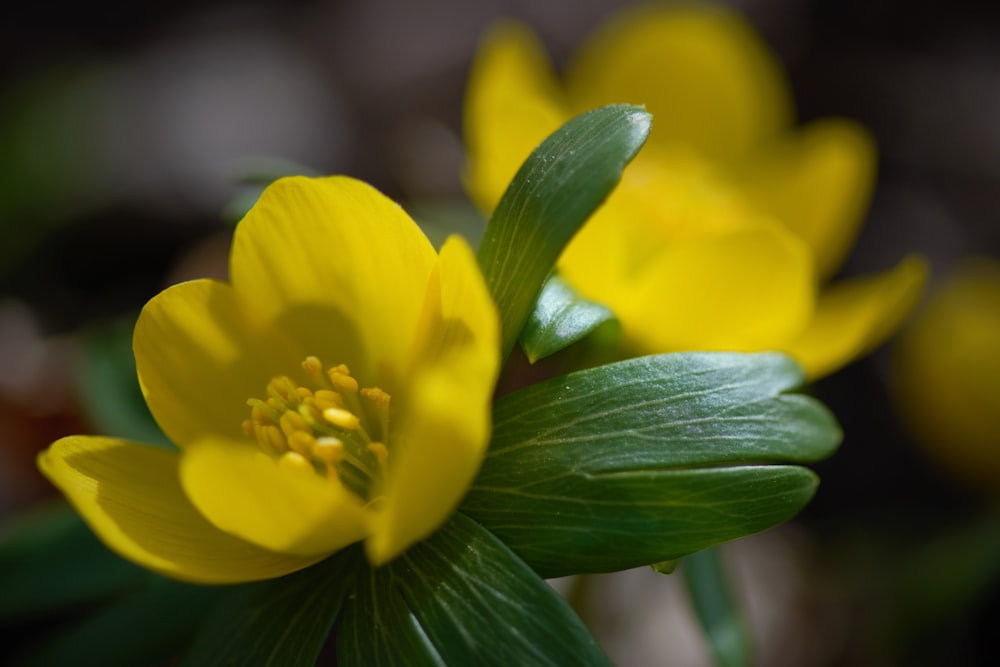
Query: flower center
331, 428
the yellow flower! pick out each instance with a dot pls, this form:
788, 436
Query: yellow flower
728, 222
337, 390
948, 374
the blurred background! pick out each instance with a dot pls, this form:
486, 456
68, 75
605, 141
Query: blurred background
131, 134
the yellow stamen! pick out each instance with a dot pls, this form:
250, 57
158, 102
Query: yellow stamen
324, 399
376, 396
380, 400
324, 428
342, 418
296, 463
380, 451
313, 366
330, 450
274, 437
292, 421
302, 443
340, 378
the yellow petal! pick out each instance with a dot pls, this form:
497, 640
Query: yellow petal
130, 495
511, 105
444, 425
707, 78
201, 351
662, 200
818, 182
244, 492
341, 267
749, 289
947, 374
856, 316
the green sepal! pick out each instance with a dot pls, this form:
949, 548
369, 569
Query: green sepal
560, 318
557, 188
279, 622
460, 598
649, 459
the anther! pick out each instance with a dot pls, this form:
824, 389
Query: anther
340, 378
296, 463
328, 449
342, 418
376, 396
379, 451
302, 443
324, 398
313, 366
292, 422
272, 437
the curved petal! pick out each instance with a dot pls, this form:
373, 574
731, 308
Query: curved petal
511, 105
750, 289
708, 79
444, 424
130, 495
857, 315
662, 200
201, 351
246, 493
341, 267
818, 182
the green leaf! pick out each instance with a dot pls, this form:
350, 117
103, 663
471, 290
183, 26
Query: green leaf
648, 460
145, 627
558, 187
109, 387
716, 609
282, 621
460, 598
560, 318
50, 560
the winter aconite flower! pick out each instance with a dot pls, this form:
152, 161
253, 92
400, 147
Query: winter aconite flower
729, 221
947, 373
337, 390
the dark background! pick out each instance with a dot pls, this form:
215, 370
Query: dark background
123, 127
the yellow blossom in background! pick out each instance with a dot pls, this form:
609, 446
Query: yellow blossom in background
337, 389
730, 221
947, 374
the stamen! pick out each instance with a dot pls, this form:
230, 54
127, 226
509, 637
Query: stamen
273, 438
324, 428
291, 422
296, 463
344, 419
302, 443
380, 451
376, 396
330, 450
324, 398
313, 366
380, 401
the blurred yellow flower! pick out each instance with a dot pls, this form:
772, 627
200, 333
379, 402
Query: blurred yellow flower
337, 390
947, 373
727, 224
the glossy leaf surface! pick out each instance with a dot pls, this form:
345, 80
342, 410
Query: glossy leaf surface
558, 187
649, 459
